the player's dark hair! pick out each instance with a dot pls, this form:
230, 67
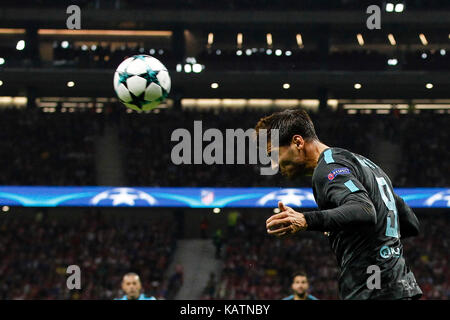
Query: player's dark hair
289, 123
298, 273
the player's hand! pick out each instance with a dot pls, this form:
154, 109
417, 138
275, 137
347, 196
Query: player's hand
288, 221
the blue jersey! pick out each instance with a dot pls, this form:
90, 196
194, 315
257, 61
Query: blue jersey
308, 297
141, 297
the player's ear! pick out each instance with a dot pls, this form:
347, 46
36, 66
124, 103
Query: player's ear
298, 141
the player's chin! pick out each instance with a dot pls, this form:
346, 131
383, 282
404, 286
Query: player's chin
290, 174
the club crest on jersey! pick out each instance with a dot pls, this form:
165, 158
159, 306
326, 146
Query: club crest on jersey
337, 172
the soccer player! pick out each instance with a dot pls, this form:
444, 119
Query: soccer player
131, 285
358, 209
300, 286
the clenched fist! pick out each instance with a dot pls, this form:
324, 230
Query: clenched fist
288, 221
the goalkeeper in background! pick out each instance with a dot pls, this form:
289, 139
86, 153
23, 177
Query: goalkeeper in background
300, 286
131, 285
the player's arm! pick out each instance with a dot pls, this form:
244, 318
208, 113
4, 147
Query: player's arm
409, 224
355, 210
339, 186
343, 191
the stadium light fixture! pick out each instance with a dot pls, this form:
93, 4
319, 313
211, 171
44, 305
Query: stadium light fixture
116, 33
278, 52
389, 7
239, 53
276, 210
5, 208
70, 84
442, 52
179, 67
300, 40
187, 68
424, 55
210, 38
216, 210
288, 53
197, 68
429, 86
357, 86
392, 62
239, 39
360, 39
423, 39
20, 45
286, 86
1, 83
248, 52
11, 31
399, 7
218, 52
2, 61
269, 52
392, 39
269, 39
152, 51
214, 85
65, 44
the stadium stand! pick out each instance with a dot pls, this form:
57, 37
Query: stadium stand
257, 266
37, 248
146, 161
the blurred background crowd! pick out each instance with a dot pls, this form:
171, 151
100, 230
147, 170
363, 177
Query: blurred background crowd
257, 266
34, 145
37, 247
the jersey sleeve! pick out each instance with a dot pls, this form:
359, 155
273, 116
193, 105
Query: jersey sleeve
409, 224
344, 198
334, 182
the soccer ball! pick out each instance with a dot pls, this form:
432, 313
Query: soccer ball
141, 82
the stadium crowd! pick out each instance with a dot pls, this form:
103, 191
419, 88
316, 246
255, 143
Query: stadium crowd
38, 148
258, 266
37, 248
142, 136
47, 140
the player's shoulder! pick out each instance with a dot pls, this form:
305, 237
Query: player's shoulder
311, 297
334, 162
336, 155
333, 158
291, 297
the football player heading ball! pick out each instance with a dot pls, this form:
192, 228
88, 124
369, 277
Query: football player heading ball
357, 206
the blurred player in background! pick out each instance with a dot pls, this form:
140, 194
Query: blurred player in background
131, 285
300, 286
358, 207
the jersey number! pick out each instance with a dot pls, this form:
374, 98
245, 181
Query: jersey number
389, 201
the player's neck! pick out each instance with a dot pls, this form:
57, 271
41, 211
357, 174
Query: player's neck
315, 149
300, 297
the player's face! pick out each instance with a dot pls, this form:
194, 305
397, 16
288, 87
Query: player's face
300, 285
291, 160
131, 285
